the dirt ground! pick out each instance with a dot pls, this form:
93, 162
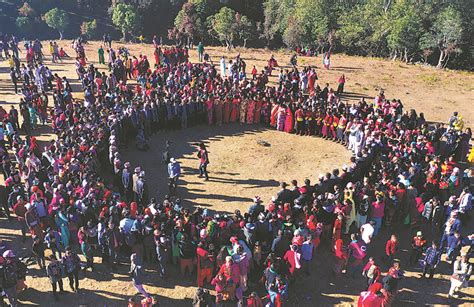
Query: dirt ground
241, 169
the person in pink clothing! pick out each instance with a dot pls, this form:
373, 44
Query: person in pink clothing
231, 272
378, 208
243, 259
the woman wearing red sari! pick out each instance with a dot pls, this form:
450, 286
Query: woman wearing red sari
209, 105
234, 113
289, 122
243, 110
258, 111
226, 110
274, 114
157, 56
312, 77
250, 112
218, 108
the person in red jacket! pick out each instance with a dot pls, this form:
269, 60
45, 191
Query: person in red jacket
391, 248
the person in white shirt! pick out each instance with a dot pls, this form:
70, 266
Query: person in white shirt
367, 231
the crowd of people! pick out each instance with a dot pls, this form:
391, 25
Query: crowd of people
403, 172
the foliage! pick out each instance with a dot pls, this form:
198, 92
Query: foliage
244, 28
221, 26
89, 28
57, 19
26, 10
126, 18
24, 24
187, 24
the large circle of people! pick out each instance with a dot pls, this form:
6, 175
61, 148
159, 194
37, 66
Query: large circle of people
404, 171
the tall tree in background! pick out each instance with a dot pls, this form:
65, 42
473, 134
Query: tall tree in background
244, 28
312, 16
57, 19
445, 35
222, 26
89, 28
405, 30
276, 16
187, 24
125, 17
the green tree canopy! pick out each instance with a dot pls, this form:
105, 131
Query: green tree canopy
125, 17
221, 26
57, 19
24, 24
445, 34
89, 28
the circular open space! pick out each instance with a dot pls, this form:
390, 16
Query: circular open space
240, 168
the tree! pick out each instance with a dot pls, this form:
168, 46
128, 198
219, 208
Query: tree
312, 17
89, 28
276, 14
26, 10
445, 34
221, 26
24, 24
405, 30
57, 19
125, 17
244, 28
187, 24
292, 36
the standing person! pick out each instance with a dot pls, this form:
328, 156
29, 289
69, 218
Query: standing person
54, 273
71, 264
14, 79
88, 253
9, 277
203, 156
431, 260
377, 213
200, 50
163, 248
174, 171
341, 81
417, 245
38, 250
136, 271
307, 254
101, 55
205, 264
391, 248
462, 270
371, 271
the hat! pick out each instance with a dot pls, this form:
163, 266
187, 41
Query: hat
172, 160
138, 169
9, 254
419, 234
127, 164
257, 199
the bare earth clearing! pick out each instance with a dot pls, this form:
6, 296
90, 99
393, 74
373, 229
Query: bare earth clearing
241, 169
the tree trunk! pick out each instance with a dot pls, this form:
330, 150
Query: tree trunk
124, 36
441, 59
60, 35
245, 42
405, 56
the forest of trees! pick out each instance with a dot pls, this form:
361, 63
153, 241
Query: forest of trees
436, 32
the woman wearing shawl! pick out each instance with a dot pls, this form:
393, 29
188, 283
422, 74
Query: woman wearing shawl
341, 257
251, 112
209, 105
62, 223
226, 110
274, 115
289, 122
243, 110
234, 113
258, 111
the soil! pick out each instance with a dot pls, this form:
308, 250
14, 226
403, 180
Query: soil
241, 168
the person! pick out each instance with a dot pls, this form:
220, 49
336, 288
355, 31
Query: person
14, 79
307, 249
205, 264
38, 249
200, 50
417, 244
462, 270
391, 248
72, 264
54, 273
431, 260
187, 253
9, 277
203, 156
372, 272
163, 248
174, 171
136, 271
